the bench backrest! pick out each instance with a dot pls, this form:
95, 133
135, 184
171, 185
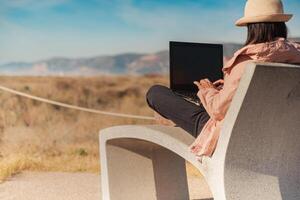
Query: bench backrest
261, 131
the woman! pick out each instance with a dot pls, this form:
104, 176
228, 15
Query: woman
266, 42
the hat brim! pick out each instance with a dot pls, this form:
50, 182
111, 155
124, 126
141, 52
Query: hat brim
263, 18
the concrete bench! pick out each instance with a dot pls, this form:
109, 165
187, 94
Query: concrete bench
257, 156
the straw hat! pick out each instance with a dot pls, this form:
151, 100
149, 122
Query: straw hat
263, 11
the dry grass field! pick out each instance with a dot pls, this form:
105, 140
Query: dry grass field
41, 137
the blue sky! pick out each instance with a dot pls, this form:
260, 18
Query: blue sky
39, 29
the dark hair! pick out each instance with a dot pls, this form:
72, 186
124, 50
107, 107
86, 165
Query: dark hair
265, 32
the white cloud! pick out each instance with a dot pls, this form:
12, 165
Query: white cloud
190, 24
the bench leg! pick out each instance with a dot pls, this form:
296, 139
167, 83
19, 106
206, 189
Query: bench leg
136, 173
170, 175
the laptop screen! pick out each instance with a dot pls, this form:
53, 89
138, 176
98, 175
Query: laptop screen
191, 62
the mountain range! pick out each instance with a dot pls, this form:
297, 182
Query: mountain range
128, 63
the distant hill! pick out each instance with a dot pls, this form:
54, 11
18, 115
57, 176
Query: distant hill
230, 48
119, 64
128, 63
296, 39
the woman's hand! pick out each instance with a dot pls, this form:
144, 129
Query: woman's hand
204, 84
218, 83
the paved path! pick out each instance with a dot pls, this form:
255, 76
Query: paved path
69, 186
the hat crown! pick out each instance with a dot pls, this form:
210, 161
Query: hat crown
258, 11
263, 7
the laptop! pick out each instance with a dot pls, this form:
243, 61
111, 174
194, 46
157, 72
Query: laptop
191, 62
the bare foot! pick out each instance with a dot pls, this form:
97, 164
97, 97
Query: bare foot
163, 121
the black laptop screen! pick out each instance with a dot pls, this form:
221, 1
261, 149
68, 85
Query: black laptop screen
191, 62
